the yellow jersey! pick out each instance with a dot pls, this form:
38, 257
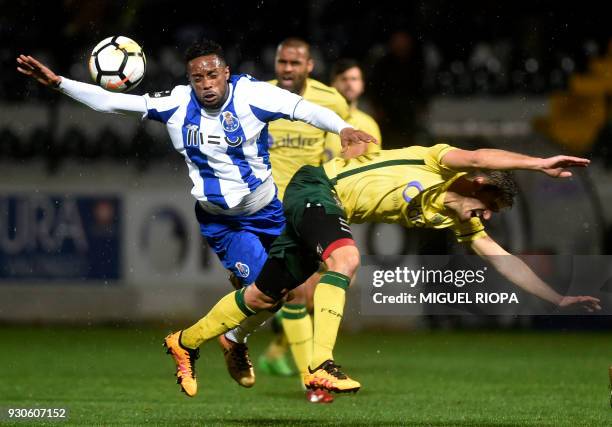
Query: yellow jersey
361, 121
295, 144
405, 186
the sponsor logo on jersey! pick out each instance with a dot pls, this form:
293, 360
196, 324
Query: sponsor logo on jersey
243, 269
229, 122
234, 142
194, 137
291, 142
436, 219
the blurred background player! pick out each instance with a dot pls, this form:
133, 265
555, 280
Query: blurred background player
347, 77
397, 91
293, 144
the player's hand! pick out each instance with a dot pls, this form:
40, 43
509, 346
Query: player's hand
33, 68
556, 166
590, 304
350, 136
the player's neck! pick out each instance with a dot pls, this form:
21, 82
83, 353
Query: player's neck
302, 89
457, 193
452, 201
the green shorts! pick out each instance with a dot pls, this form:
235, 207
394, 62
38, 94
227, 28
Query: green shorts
315, 220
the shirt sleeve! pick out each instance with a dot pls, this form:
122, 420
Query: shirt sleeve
269, 102
162, 105
468, 231
320, 117
434, 156
101, 100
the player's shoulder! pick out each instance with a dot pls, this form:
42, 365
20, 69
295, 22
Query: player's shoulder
362, 116
363, 120
320, 91
249, 85
242, 78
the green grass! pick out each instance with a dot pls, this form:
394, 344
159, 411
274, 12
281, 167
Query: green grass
122, 377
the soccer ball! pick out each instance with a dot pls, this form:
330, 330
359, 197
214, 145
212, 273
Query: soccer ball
117, 64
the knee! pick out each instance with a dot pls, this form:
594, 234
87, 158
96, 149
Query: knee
344, 260
257, 300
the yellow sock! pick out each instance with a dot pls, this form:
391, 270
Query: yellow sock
298, 329
225, 315
329, 297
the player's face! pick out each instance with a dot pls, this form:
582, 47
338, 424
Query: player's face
349, 84
292, 67
208, 77
482, 205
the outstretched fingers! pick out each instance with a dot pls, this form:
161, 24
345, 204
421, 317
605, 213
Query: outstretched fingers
24, 66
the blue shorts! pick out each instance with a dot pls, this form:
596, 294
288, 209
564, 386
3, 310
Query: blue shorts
242, 242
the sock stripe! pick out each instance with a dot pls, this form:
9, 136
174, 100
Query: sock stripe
294, 306
339, 275
294, 311
335, 279
239, 295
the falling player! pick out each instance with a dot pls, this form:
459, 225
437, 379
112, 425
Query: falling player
436, 187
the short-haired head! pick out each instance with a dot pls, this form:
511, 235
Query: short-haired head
205, 47
293, 64
296, 43
208, 73
499, 184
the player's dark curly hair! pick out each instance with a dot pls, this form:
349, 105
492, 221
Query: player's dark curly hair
202, 48
502, 184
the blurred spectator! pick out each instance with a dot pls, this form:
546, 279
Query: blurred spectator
397, 90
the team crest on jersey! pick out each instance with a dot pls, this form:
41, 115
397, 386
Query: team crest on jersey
229, 122
243, 269
412, 190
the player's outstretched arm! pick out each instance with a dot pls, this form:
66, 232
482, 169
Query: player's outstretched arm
487, 158
325, 119
38, 71
91, 95
519, 273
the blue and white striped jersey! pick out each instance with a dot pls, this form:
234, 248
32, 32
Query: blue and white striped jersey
226, 153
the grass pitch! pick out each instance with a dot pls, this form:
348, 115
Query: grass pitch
109, 376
